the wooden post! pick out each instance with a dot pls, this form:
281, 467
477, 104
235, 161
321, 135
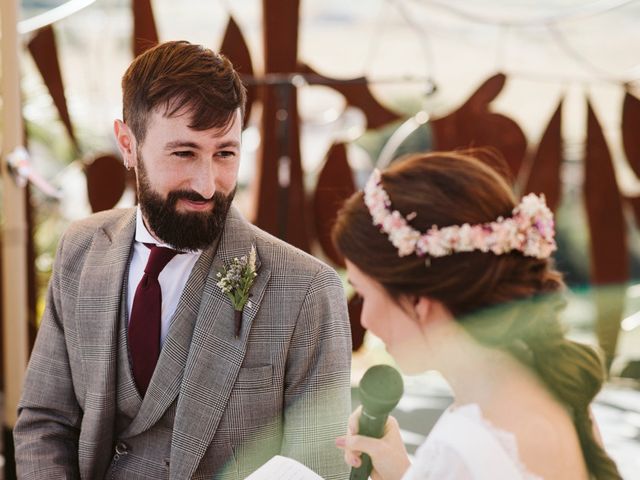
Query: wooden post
14, 221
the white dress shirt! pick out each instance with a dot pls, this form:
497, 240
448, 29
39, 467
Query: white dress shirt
172, 279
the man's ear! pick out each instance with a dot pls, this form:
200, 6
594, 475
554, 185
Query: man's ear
126, 143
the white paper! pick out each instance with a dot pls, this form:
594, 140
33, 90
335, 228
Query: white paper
283, 468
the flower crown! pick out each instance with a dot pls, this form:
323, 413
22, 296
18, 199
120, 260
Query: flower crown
529, 230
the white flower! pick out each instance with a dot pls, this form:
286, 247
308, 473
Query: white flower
236, 280
465, 238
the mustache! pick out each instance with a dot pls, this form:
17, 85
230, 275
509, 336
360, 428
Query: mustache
190, 195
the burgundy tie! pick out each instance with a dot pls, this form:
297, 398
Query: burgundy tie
144, 324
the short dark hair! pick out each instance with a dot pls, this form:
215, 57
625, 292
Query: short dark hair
177, 75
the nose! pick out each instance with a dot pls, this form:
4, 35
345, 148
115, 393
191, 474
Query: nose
203, 180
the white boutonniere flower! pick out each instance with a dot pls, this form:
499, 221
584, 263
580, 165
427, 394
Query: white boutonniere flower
235, 282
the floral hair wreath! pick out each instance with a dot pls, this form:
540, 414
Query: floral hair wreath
529, 230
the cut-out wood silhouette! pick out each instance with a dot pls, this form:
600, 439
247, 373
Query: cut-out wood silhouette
631, 131
357, 93
475, 125
608, 246
281, 201
106, 182
357, 331
145, 33
235, 48
544, 175
335, 185
631, 144
45, 54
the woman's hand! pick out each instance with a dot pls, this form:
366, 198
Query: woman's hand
388, 455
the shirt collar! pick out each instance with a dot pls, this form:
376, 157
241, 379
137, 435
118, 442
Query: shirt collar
143, 235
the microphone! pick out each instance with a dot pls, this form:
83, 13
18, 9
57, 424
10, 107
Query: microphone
380, 390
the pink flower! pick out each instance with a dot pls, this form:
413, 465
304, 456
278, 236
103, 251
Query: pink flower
530, 230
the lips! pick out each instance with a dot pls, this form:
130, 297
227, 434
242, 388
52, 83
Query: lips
197, 205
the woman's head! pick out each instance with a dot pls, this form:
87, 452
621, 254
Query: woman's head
442, 190
495, 279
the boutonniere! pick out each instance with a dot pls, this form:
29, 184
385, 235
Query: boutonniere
236, 280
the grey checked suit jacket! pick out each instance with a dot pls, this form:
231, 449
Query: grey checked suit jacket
281, 387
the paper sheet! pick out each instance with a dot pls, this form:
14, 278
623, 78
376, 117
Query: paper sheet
283, 468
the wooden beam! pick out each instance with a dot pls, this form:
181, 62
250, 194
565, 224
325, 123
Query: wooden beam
14, 221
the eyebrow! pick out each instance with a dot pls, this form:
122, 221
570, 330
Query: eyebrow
229, 144
181, 144
186, 144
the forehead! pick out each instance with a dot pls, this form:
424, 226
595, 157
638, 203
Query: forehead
178, 124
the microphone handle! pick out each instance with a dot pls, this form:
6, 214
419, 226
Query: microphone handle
369, 426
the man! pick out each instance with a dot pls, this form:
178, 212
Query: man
123, 384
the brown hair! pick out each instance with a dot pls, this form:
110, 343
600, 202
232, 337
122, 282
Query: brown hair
508, 301
177, 75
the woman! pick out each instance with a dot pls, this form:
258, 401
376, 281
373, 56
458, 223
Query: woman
455, 276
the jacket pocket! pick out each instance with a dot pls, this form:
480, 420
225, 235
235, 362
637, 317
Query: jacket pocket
255, 377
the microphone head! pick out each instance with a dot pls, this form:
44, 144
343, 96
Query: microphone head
381, 388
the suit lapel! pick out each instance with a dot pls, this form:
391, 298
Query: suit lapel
99, 296
215, 355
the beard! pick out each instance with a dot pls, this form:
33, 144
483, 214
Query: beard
182, 230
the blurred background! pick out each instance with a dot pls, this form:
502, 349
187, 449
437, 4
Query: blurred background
336, 89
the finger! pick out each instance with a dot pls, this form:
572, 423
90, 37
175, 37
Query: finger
391, 425
358, 443
351, 457
354, 418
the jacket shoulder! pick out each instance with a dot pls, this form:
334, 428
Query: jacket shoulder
80, 233
284, 258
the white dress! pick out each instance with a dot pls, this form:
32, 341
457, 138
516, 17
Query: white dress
463, 445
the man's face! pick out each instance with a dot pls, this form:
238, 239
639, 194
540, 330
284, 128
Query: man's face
186, 178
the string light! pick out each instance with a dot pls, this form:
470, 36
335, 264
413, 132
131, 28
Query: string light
51, 16
592, 9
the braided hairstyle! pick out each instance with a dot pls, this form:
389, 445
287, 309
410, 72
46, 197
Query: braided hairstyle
508, 301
